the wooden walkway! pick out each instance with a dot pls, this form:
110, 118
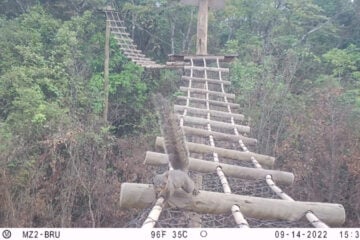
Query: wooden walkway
217, 138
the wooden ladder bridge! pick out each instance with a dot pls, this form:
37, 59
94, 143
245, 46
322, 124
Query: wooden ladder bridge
217, 139
125, 42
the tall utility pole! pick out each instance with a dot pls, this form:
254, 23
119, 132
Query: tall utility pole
202, 24
106, 71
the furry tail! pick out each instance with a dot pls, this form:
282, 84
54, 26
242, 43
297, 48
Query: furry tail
174, 138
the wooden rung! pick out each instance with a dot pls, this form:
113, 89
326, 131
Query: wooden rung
203, 91
124, 41
131, 53
154, 66
207, 57
213, 69
136, 195
148, 63
134, 56
214, 81
135, 51
218, 124
203, 166
131, 56
213, 102
142, 60
113, 20
117, 27
145, 63
120, 33
137, 55
218, 135
214, 113
223, 152
179, 57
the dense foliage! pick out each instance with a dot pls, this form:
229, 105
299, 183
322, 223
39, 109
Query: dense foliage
297, 76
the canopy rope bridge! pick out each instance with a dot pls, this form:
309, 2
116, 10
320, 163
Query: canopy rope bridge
235, 189
126, 44
216, 137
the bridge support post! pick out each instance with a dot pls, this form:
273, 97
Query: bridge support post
202, 28
106, 70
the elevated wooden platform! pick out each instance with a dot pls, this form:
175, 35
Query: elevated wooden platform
180, 61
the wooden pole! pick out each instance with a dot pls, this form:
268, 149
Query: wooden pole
203, 166
211, 102
202, 28
106, 71
218, 135
135, 195
203, 91
217, 124
215, 113
222, 152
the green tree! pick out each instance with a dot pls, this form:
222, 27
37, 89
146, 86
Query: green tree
345, 63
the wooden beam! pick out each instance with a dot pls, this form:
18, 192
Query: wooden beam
203, 166
218, 124
219, 135
203, 91
223, 152
213, 69
181, 58
212, 102
215, 113
203, 80
135, 195
208, 57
